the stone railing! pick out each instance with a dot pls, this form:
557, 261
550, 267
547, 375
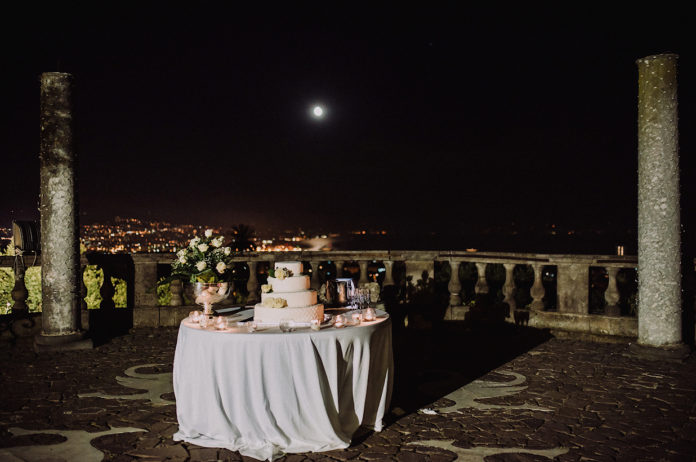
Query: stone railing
142, 271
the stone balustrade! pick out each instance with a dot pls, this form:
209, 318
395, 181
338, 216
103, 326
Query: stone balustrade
142, 271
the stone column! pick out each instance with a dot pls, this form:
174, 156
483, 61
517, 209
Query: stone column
537, 291
659, 242
481, 287
60, 258
611, 295
363, 272
454, 287
252, 283
509, 288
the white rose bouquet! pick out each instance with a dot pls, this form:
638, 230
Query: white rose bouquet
204, 260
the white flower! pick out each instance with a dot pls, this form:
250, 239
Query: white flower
217, 242
182, 260
194, 242
181, 253
283, 273
200, 266
266, 288
275, 302
208, 232
227, 250
221, 267
202, 247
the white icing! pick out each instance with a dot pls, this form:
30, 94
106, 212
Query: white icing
294, 266
293, 284
263, 314
294, 299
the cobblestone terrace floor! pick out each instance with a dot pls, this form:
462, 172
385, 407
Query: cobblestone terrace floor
536, 398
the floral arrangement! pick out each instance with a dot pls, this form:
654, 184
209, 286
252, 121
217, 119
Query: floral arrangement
275, 302
204, 260
266, 288
281, 273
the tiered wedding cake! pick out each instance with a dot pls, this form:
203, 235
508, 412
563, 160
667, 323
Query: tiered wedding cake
287, 296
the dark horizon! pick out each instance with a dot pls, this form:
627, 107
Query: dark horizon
437, 118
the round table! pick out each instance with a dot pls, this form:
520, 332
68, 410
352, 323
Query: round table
268, 393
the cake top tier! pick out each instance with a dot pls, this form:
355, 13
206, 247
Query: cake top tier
294, 266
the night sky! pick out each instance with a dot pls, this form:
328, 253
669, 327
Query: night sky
440, 118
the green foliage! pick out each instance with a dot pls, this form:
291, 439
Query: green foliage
164, 295
6, 284
94, 278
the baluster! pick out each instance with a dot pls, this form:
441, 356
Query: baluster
107, 291
611, 295
19, 291
481, 285
388, 273
252, 283
315, 282
176, 289
339, 268
509, 288
363, 273
537, 291
454, 287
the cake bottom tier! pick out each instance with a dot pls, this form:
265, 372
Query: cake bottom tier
264, 314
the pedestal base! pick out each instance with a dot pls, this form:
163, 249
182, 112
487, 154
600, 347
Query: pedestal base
68, 342
678, 352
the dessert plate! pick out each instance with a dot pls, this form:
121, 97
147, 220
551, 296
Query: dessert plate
241, 316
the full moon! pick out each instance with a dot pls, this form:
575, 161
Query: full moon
318, 112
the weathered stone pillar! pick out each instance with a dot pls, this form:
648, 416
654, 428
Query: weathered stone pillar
252, 283
659, 242
60, 259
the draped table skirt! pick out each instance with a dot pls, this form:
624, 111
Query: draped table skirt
268, 393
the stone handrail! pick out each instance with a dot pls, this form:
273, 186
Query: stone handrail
141, 274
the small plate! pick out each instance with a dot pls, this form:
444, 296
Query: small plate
241, 316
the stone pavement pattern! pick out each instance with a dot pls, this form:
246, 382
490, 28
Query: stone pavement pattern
566, 399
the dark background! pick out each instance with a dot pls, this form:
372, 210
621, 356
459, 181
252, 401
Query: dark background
441, 119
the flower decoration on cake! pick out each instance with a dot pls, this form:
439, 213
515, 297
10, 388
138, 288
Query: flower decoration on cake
275, 302
282, 273
266, 288
204, 260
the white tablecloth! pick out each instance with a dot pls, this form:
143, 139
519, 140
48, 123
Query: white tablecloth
268, 393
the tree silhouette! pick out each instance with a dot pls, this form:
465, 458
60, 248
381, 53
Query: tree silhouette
243, 238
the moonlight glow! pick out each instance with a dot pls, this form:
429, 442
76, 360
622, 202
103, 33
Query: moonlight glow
318, 112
